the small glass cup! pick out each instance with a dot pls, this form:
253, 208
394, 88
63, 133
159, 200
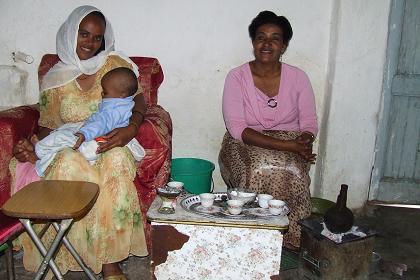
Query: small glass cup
276, 206
207, 199
235, 206
176, 184
263, 200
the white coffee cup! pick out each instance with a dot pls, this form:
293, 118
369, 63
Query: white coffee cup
235, 206
175, 184
276, 206
263, 200
207, 199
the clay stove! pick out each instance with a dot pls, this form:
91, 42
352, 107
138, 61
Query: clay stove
322, 258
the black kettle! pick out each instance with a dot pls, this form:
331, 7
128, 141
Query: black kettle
339, 218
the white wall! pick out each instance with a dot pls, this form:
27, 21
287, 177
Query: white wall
197, 42
352, 98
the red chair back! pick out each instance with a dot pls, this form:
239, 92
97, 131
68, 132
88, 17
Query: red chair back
151, 74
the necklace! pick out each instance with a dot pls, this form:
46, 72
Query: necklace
272, 103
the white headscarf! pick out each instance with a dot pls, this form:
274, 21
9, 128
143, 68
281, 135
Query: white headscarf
70, 66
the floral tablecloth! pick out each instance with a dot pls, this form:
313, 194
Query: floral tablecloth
199, 247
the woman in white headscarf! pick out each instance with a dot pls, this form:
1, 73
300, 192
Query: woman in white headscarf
70, 92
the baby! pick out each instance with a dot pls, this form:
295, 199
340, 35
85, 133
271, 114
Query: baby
118, 85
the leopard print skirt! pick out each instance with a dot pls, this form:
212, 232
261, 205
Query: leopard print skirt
284, 175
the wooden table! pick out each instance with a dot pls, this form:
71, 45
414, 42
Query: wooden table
59, 203
191, 246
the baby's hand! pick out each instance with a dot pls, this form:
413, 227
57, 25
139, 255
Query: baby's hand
79, 141
34, 139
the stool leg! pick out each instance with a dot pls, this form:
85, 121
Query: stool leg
9, 261
43, 269
27, 224
75, 255
44, 230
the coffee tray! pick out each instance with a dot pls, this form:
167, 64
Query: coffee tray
219, 209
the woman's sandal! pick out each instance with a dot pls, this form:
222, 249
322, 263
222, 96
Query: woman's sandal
115, 277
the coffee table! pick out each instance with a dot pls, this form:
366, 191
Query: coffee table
191, 246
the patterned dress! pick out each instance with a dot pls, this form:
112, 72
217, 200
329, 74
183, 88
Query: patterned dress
284, 175
279, 173
113, 229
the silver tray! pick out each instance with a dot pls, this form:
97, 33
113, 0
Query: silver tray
219, 209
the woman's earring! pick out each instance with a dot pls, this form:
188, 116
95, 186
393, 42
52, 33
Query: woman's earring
281, 57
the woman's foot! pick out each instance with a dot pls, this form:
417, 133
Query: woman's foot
112, 271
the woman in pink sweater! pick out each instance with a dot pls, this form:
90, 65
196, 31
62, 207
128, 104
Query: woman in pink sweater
270, 116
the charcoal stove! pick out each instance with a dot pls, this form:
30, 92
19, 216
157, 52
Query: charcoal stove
323, 258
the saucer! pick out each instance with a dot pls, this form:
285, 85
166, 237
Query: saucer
226, 212
211, 210
264, 212
260, 212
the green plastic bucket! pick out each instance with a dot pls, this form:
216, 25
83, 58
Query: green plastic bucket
195, 173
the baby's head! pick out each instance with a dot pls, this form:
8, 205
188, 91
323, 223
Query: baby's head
120, 82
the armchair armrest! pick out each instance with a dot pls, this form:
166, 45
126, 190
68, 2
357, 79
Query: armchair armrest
155, 135
15, 124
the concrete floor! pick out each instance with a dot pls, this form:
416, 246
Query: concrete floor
398, 238
134, 268
397, 241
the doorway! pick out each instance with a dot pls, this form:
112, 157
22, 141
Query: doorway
396, 172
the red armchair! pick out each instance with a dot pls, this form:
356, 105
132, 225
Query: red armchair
155, 135
14, 124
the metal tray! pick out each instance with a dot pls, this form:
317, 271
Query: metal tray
219, 209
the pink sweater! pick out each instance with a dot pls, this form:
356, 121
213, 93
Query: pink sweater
246, 106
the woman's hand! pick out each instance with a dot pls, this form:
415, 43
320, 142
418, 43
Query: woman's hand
306, 137
118, 137
24, 151
302, 148
301, 145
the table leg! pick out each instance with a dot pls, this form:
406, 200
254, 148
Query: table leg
48, 261
75, 255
